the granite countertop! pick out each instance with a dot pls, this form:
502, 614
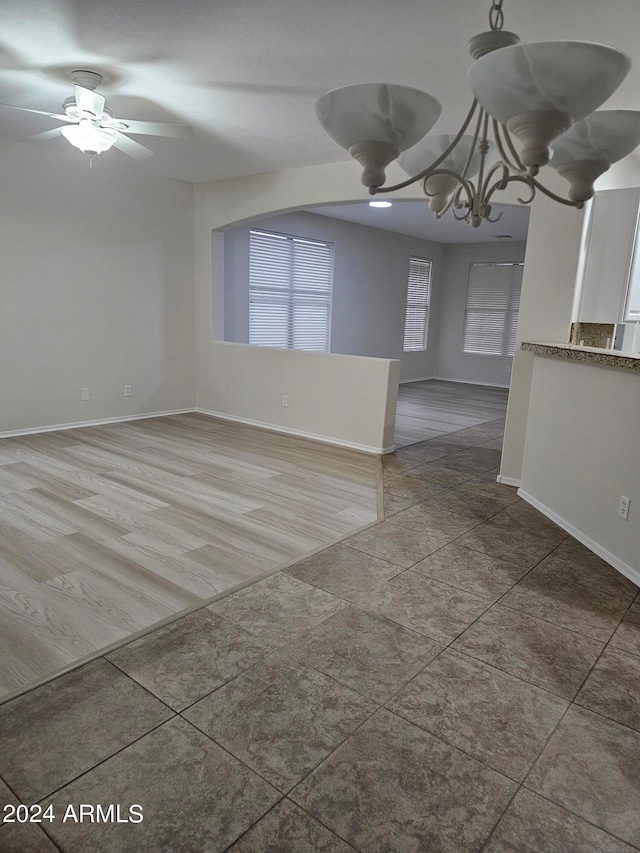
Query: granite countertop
585, 355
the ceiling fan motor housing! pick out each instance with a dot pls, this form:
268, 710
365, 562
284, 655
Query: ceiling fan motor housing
70, 108
87, 79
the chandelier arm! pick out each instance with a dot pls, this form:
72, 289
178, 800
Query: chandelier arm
462, 181
569, 202
454, 201
495, 219
501, 184
512, 164
432, 166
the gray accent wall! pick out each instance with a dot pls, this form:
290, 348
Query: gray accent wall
369, 294
371, 267
450, 361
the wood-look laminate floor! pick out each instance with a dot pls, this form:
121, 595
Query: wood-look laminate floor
434, 407
107, 530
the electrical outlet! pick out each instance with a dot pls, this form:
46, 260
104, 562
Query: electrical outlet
623, 507
127, 390
507, 369
84, 394
285, 400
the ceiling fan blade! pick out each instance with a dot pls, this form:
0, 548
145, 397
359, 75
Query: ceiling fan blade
156, 128
43, 137
39, 112
131, 147
89, 101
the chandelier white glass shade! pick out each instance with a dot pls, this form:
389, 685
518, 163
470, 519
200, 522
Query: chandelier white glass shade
387, 118
539, 90
544, 94
585, 151
88, 137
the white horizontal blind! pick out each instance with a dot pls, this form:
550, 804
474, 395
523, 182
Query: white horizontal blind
493, 301
416, 320
290, 284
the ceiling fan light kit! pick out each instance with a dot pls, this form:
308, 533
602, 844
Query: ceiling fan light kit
89, 138
542, 94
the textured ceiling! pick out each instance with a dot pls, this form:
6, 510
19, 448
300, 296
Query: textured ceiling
246, 73
416, 220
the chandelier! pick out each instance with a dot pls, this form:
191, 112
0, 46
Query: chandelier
542, 94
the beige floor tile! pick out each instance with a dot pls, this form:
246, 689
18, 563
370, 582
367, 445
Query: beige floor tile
194, 796
365, 652
535, 651
613, 688
53, 734
187, 659
287, 829
393, 786
583, 567
627, 635
473, 571
578, 608
395, 544
432, 521
515, 545
500, 720
278, 608
280, 718
344, 571
438, 610
590, 766
25, 838
532, 824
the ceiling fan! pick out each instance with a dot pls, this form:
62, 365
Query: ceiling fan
93, 128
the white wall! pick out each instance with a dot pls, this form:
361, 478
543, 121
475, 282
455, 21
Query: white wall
581, 454
546, 308
371, 267
451, 362
97, 290
343, 399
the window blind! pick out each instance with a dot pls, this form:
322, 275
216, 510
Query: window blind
493, 301
290, 284
416, 321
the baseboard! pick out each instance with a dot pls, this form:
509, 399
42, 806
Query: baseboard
97, 422
471, 382
591, 544
352, 445
508, 481
418, 379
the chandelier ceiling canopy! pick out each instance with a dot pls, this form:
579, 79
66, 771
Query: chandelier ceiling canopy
542, 94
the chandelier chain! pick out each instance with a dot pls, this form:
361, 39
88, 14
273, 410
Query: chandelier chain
496, 16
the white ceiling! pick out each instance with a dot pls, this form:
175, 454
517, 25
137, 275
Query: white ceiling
246, 73
416, 220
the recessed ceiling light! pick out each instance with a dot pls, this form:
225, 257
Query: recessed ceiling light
379, 204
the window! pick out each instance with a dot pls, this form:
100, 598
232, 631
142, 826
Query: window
416, 319
493, 300
290, 282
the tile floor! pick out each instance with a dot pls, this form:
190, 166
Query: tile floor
460, 677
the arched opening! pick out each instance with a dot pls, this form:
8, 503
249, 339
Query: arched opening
373, 249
